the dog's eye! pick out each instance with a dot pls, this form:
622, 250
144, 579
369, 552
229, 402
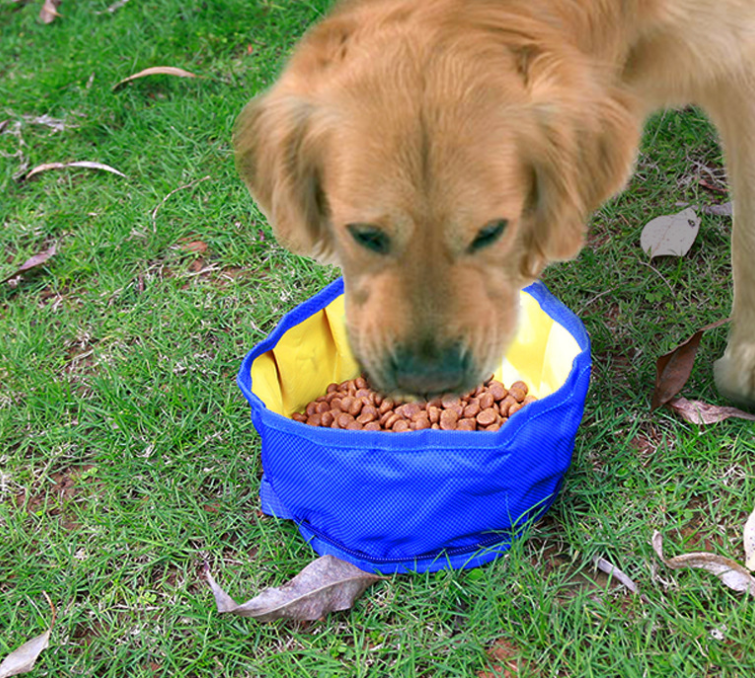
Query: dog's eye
370, 237
488, 234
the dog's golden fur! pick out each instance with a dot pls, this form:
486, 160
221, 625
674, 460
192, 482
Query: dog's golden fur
400, 129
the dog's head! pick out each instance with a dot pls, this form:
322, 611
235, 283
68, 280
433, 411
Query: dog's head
442, 162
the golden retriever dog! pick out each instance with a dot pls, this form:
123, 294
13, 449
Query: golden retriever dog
443, 152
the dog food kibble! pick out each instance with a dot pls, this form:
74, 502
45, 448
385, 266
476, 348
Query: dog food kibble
354, 406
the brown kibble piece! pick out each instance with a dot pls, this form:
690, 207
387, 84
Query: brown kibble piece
529, 399
519, 390
369, 413
448, 419
515, 408
487, 417
391, 420
356, 407
386, 405
344, 419
401, 425
450, 401
354, 426
301, 418
497, 390
473, 409
327, 418
412, 410
486, 400
506, 404
314, 419
433, 414
420, 423
372, 426
466, 424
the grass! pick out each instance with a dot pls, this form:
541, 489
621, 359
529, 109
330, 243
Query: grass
127, 455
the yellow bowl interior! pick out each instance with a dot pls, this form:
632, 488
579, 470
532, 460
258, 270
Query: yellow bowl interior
316, 352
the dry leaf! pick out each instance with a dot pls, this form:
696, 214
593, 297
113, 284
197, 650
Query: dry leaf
506, 661
114, 7
197, 246
22, 659
156, 70
724, 210
79, 163
730, 572
673, 368
698, 412
671, 234
748, 536
32, 262
615, 573
326, 585
49, 11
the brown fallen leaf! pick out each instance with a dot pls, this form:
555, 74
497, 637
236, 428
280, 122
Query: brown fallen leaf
197, 246
326, 585
673, 368
156, 70
698, 412
78, 163
22, 659
729, 571
32, 262
507, 661
49, 11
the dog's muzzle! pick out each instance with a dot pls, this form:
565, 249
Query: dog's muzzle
430, 369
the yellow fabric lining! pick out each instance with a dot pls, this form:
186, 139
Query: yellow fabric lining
316, 353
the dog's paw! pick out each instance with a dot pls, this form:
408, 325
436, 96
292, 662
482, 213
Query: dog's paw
735, 375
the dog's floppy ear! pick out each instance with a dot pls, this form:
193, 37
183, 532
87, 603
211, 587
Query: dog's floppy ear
281, 136
582, 152
278, 146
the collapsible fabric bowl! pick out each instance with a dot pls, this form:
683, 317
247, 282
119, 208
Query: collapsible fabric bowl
420, 500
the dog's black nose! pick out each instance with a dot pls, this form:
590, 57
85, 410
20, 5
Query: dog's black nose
430, 369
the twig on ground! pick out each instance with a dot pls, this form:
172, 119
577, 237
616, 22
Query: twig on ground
175, 190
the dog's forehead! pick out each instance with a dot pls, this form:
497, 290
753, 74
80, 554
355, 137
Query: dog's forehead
422, 171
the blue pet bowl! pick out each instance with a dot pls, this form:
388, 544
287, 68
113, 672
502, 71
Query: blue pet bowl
421, 500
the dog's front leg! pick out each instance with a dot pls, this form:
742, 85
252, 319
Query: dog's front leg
731, 105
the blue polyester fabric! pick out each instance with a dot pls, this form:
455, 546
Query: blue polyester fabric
423, 500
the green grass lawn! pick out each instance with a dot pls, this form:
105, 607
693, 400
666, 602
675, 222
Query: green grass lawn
126, 451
